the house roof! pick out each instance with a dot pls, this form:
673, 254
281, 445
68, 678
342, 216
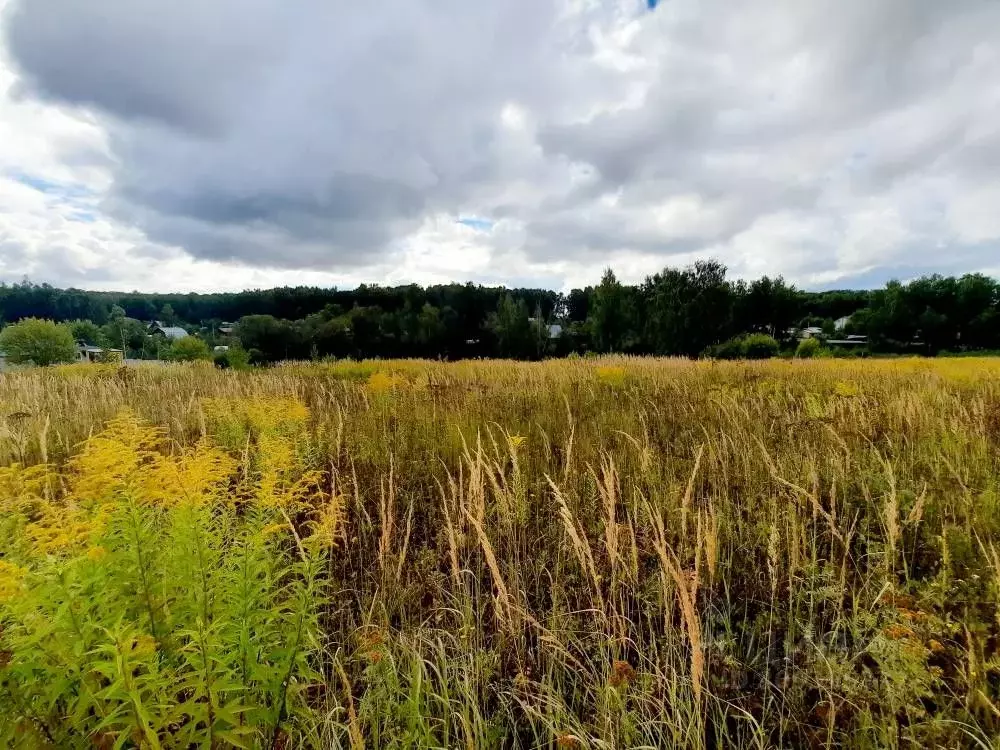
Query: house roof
172, 332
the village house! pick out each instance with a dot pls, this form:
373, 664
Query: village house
88, 353
554, 330
171, 333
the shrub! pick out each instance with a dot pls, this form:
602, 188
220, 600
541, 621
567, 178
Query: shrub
759, 346
745, 346
91, 648
808, 348
39, 342
188, 349
731, 349
235, 358
86, 330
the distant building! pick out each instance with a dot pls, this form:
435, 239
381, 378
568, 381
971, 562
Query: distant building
849, 341
87, 353
221, 348
554, 329
810, 332
172, 333
226, 329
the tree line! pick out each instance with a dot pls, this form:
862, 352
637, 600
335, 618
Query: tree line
678, 311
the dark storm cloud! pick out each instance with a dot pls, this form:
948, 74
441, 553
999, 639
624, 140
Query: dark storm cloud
335, 124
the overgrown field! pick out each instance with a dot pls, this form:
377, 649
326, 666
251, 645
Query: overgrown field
601, 553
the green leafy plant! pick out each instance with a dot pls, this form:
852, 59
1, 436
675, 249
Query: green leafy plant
188, 349
759, 346
38, 342
808, 348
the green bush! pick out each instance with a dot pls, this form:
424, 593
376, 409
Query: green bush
38, 342
235, 358
759, 346
730, 349
86, 331
188, 349
808, 348
745, 346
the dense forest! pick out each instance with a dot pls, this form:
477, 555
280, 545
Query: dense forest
675, 312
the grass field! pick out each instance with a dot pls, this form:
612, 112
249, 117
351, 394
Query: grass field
602, 553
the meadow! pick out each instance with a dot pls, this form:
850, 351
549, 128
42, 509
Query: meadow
584, 553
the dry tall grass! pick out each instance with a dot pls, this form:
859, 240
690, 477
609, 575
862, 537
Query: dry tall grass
575, 554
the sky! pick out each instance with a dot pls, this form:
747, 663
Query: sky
201, 146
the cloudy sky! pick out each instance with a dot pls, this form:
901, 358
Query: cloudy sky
193, 145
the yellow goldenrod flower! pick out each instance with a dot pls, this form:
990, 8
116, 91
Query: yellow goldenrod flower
327, 527
11, 577
142, 646
845, 390
382, 382
614, 376
273, 528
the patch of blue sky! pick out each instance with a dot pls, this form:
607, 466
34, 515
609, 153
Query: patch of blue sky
50, 187
85, 217
478, 223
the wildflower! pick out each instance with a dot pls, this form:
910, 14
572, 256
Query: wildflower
845, 390
61, 530
622, 673
273, 528
11, 577
516, 441
97, 553
911, 614
381, 382
326, 528
142, 646
372, 638
111, 457
898, 632
614, 376
568, 740
195, 476
935, 646
23, 488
